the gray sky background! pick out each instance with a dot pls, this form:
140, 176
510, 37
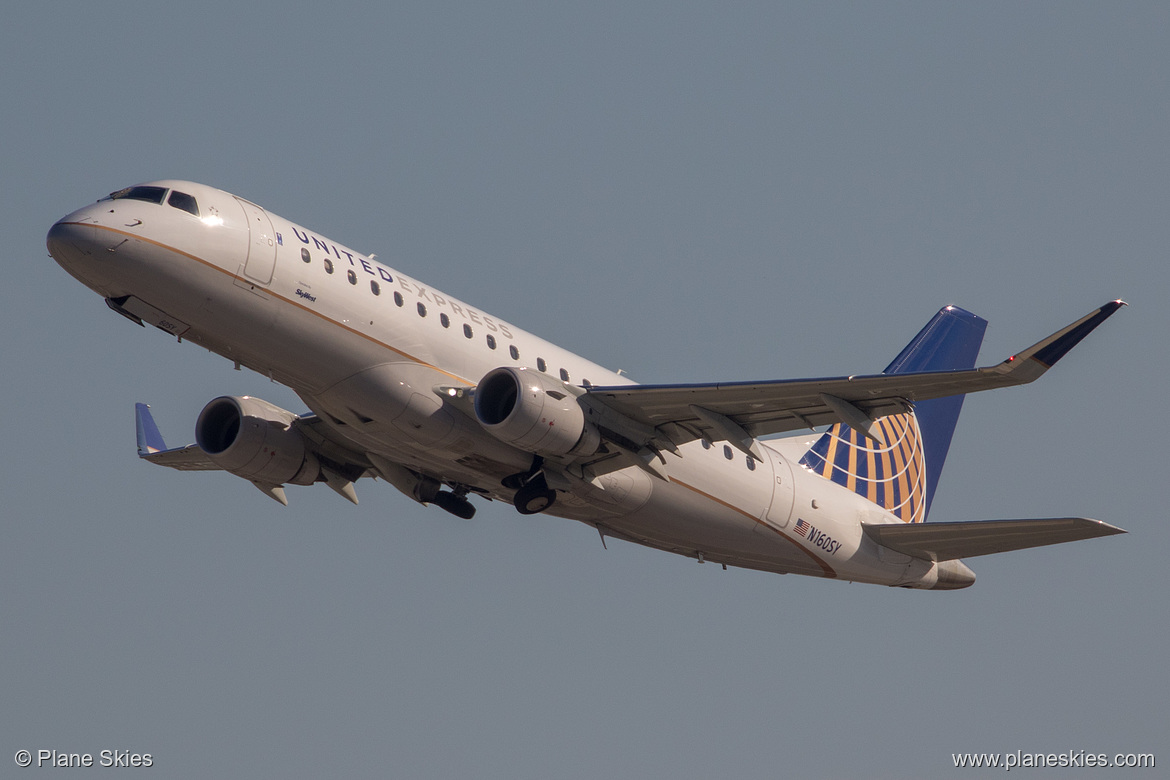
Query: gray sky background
686, 191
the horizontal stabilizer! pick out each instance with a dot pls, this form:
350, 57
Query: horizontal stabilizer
948, 541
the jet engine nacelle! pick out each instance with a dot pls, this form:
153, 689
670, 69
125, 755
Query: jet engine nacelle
531, 410
255, 440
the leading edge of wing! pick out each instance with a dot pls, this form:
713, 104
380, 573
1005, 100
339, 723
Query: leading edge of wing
949, 541
790, 404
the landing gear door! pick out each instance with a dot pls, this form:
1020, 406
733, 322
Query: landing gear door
261, 244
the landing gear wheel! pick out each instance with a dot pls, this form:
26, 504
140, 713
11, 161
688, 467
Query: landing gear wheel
456, 505
534, 498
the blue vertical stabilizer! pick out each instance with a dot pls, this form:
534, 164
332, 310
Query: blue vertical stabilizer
900, 470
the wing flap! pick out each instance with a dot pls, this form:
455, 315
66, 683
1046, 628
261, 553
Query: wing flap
189, 458
948, 541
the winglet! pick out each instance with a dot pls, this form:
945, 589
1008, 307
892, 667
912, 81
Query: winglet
1056, 346
150, 440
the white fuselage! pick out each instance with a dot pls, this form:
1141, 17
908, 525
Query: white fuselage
366, 346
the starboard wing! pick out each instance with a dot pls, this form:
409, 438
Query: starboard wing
680, 413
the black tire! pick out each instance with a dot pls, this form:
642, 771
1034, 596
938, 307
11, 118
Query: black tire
534, 498
460, 507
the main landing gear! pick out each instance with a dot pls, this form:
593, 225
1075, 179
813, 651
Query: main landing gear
454, 501
533, 495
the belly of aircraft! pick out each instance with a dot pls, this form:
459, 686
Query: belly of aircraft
678, 519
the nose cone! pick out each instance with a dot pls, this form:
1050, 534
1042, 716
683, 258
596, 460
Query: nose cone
68, 238
953, 575
73, 243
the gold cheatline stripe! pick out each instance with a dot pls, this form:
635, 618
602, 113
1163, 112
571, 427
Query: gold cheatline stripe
900, 465
277, 296
871, 476
912, 476
828, 570
831, 452
851, 474
887, 486
916, 488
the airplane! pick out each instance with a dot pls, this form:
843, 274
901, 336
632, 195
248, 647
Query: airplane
448, 403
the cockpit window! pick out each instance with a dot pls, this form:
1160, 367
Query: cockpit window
148, 194
183, 201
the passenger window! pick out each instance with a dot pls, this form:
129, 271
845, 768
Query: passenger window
375, 288
540, 364
467, 330
351, 276
305, 255
183, 202
727, 452
422, 310
515, 353
397, 298
491, 341
706, 444
564, 375
751, 463
328, 266
444, 320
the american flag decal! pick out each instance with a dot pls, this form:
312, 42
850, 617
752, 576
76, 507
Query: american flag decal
803, 528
